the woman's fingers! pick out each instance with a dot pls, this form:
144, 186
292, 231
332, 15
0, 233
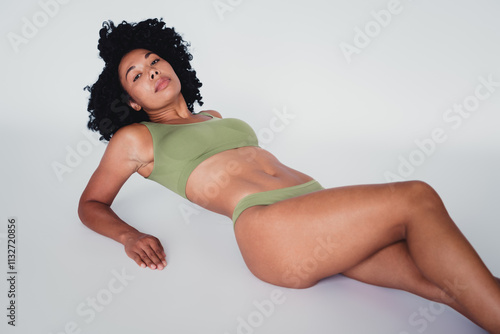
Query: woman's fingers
146, 251
137, 258
147, 258
153, 257
158, 256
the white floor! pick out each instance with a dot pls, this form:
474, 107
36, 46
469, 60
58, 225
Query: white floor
387, 109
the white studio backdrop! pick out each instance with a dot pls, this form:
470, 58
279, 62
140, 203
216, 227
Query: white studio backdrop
348, 92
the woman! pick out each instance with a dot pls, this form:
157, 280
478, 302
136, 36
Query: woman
393, 235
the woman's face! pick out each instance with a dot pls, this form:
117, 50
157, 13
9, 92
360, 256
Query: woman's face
149, 80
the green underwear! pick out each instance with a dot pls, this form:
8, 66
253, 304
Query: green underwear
273, 196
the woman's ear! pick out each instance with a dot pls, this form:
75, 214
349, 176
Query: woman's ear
134, 105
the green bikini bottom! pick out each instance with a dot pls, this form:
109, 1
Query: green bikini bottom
273, 196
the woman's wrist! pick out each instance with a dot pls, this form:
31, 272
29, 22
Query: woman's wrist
127, 235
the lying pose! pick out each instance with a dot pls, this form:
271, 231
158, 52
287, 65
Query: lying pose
396, 235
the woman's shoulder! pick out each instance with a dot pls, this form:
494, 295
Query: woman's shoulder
131, 132
212, 112
134, 137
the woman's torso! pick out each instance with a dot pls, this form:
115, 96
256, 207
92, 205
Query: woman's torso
221, 180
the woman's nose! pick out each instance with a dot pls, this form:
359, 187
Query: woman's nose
155, 72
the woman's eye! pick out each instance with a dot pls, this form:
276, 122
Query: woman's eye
139, 75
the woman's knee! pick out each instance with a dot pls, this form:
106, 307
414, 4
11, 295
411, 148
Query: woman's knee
418, 196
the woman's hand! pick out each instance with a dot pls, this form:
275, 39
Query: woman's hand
145, 250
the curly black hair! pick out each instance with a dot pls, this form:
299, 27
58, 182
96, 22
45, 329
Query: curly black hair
108, 103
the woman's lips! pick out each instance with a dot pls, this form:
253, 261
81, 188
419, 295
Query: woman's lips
162, 83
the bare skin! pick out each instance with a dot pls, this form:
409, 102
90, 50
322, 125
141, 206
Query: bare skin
394, 235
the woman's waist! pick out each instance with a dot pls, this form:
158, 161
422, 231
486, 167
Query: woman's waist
218, 184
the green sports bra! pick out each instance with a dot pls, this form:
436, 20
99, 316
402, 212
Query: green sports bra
179, 148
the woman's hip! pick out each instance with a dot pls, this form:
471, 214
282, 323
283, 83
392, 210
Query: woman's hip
272, 196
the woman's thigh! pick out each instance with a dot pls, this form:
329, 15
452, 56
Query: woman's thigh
298, 241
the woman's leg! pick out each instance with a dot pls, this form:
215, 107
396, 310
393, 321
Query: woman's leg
298, 241
392, 267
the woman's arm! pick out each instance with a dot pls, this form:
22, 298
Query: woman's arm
121, 159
